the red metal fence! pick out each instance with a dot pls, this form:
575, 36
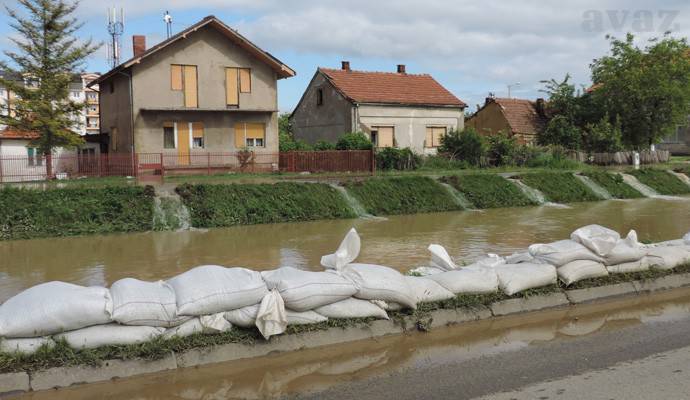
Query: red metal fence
32, 168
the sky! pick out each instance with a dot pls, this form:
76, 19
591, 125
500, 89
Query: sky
471, 47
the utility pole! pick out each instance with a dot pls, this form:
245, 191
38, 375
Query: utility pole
516, 84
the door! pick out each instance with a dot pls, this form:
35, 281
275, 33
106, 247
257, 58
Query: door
183, 135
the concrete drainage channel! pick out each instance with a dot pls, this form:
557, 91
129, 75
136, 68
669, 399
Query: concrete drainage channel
67, 376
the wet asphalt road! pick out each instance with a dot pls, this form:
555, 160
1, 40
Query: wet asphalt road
646, 361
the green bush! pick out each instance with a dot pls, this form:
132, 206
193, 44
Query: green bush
406, 195
435, 162
661, 181
244, 204
614, 184
398, 159
501, 149
553, 158
604, 137
560, 187
561, 132
488, 190
27, 213
286, 142
354, 141
323, 145
466, 145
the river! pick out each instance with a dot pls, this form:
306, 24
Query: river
396, 241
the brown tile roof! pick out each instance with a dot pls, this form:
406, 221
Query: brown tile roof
390, 88
522, 115
11, 133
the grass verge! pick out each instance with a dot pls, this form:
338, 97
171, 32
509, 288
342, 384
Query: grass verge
661, 181
614, 184
488, 190
559, 187
404, 195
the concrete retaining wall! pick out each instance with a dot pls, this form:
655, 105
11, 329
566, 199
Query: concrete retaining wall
67, 376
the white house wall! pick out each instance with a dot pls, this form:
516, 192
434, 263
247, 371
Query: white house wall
14, 162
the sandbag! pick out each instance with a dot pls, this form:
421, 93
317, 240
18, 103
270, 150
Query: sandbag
598, 239
211, 289
489, 261
686, 238
626, 250
307, 290
271, 319
581, 269
514, 278
669, 257
517, 258
54, 307
352, 308
347, 252
468, 280
440, 258
25, 345
675, 242
424, 271
109, 335
142, 303
304, 317
207, 324
561, 252
633, 266
376, 282
244, 317
426, 290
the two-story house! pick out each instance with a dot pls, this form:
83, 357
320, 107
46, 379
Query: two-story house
204, 90
395, 109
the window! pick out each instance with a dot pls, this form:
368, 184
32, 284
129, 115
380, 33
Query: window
237, 80
383, 136
74, 94
319, 97
434, 135
168, 135
89, 152
197, 135
184, 78
250, 135
245, 80
30, 154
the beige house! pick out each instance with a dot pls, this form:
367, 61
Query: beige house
395, 109
205, 90
518, 118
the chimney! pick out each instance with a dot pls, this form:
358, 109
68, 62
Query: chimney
138, 45
345, 66
541, 107
401, 68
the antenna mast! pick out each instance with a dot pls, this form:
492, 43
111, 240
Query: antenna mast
167, 18
116, 26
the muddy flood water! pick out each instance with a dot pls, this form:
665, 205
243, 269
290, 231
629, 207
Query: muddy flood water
397, 241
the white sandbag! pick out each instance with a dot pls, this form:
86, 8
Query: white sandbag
668, 257
489, 261
426, 290
440, 258
188, 328
514, 278
686, 238
561, 252
598, 239
207, 324
517, 258
347, 252
581, 269
675, 242
211, 289
143, 303
304, 317
307, 290
468, 280
376, 282
54, 307
244, 317
424, 271
626, 250
352, 308
633, 266
271, 318
25, 345
109, 335
388, 306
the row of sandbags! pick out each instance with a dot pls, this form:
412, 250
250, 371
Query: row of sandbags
211, 299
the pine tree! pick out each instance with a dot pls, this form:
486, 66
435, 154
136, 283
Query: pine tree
48, 56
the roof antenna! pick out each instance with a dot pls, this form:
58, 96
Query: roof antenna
167, 18
116, 26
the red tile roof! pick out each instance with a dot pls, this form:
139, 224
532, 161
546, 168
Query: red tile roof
390, 88
522, 115
11, 133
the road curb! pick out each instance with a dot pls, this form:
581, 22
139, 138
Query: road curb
527, 304
602, 292
666, 282
14, 382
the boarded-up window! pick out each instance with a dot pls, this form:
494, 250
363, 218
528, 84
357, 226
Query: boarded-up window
191, 94
434, 135
245, 80
385, 136
250, 135
231, 90
197, 135
176, 77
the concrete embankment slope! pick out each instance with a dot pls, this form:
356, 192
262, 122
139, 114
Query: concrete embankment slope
43, 379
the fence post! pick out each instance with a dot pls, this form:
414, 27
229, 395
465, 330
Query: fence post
162, 166
208, 163
293, 166
136, 165
373, 161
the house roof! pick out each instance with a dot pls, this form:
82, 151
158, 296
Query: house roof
390, 88
522, 115
283, 70
11, 133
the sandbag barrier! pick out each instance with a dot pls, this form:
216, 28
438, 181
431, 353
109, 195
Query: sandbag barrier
219, 300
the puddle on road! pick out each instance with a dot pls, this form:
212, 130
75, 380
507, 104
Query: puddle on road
315, 370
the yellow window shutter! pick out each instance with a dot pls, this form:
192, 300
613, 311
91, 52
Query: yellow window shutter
439, 132
239, 136
231, 90
245, 80
197, 129
386, 134
190, 87
256, 131
429, 142
176, 77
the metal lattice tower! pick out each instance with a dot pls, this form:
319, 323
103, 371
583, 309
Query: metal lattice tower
116, 26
